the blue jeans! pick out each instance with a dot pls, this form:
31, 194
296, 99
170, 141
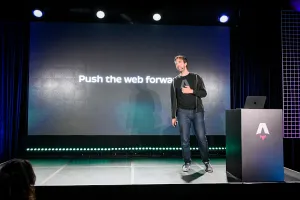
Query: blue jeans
186, 118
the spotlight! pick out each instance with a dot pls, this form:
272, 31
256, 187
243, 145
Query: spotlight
156, 17
100, 14
37, 13
224, 19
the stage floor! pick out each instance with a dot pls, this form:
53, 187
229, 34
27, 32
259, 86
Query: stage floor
56, 172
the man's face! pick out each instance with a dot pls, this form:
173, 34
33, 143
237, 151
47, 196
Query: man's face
180, 65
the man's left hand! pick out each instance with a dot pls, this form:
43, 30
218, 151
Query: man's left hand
187, 90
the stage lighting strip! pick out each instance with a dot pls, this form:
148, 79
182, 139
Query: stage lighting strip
124, 149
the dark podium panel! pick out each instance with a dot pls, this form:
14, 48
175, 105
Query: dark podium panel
254, 145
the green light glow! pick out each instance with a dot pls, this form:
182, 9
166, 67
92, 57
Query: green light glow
119, 149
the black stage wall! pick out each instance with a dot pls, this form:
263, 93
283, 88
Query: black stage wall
255, 70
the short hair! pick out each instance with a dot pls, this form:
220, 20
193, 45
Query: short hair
182, 57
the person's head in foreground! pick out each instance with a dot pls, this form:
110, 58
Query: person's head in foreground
17, 180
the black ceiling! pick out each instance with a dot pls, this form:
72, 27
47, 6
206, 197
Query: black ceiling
181, 12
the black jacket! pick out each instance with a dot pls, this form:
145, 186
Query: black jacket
199, 92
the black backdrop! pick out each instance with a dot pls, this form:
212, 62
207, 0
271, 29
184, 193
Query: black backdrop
255, 70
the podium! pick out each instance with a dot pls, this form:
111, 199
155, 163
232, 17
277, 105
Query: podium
254, 145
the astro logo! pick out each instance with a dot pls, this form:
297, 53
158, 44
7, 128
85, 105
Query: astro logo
262, 131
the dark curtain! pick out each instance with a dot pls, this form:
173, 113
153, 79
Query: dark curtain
256, 57
256, 66
13, 88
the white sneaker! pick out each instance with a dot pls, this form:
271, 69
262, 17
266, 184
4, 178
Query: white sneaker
186, 167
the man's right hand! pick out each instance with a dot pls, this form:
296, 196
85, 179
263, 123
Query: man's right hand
174, 122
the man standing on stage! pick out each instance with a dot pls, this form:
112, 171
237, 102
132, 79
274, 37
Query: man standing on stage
187, 90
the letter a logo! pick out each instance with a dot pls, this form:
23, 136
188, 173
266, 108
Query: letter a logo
262, 127
184, 83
